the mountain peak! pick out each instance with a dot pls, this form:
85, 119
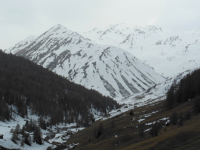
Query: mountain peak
58, 26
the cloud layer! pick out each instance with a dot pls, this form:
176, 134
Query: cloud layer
21, 18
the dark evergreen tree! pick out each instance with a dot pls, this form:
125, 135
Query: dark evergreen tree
141, 131
188, 88
100, 130
188, 115
23, 131
177, 96
27, 139
181, 118
170, 98
174, 118
4, 111
14, 137
196, 105
155, 129
22, 142
37, 135
17, 129
197, 86
131, 113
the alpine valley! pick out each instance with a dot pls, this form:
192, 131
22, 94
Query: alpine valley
102, 67
116, 87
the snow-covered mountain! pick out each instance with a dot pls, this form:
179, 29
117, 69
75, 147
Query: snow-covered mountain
21, 45
167, 51
107, 69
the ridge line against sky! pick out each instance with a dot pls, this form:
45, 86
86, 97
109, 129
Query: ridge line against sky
22, 18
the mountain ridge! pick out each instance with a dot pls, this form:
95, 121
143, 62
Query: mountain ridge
107, 69
168, 52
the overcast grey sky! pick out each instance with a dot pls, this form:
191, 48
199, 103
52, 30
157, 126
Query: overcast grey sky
21, 18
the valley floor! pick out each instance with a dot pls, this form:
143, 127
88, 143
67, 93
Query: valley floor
121, 131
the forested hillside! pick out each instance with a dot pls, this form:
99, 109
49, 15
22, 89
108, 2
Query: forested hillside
187, 89
23, 84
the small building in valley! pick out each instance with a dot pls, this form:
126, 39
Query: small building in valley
1, 136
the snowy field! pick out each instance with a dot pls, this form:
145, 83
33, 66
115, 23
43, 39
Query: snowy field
5, 128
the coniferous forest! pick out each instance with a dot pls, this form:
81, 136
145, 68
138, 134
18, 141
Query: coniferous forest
24, 85
188, 88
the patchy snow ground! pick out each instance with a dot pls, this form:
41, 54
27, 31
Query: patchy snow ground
140, 120
5, 128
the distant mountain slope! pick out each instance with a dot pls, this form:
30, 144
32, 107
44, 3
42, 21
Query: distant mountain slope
21, 44
107, 69
167, 51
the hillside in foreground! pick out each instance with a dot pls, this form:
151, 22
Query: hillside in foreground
170, 123
135, 132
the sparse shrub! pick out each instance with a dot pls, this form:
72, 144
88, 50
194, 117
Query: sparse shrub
131, 113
